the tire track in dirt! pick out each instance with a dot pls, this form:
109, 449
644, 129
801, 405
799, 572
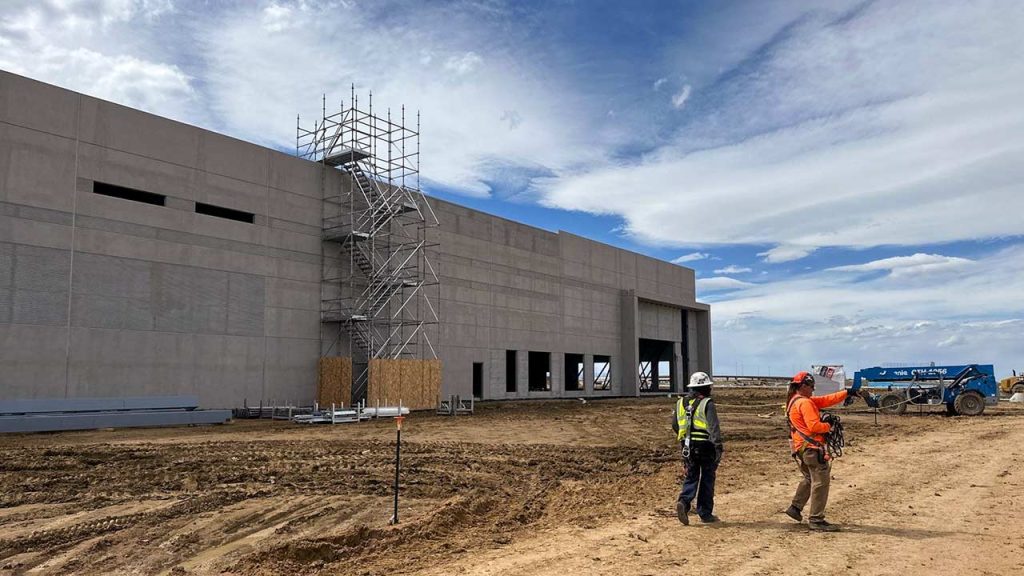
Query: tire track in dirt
908, 506
537, 488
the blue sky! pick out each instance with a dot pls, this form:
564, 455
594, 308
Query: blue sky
844, 177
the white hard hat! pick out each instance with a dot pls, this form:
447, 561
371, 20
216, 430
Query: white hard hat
699, 379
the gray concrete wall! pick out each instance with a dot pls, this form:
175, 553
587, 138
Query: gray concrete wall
102, 296
508, 286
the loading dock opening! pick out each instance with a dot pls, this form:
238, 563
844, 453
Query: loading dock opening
655, 371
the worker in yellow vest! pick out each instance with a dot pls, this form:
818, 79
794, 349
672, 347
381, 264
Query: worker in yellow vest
695, 422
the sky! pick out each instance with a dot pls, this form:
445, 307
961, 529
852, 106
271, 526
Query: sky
846, 178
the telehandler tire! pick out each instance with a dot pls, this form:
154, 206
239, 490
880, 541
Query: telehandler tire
969, 403
892, 404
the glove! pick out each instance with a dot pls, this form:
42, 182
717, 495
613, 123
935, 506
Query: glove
718, 454
851, 396
827, 418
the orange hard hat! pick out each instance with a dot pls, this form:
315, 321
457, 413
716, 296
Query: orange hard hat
802, 377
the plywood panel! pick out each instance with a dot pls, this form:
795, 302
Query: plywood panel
414, 383
430, 389
335, 382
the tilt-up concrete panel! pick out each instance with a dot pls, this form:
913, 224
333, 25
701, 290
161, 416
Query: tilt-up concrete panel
36, 169
233, 159
291, 369
105, 363
120, 128
38, 106
100, 164
33, 361
630, 354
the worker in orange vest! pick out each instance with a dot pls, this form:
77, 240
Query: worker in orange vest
808, 428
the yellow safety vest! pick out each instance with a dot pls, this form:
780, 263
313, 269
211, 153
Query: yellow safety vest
699, 431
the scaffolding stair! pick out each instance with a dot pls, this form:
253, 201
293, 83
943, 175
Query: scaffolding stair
377, 274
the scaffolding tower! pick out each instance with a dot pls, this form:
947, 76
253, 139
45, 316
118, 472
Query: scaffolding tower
379, 286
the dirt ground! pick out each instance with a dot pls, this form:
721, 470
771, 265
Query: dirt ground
549, 488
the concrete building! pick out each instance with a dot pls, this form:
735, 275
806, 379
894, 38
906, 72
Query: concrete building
142, 256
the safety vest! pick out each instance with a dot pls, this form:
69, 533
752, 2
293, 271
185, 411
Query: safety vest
699, 431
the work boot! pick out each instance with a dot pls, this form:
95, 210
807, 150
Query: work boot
683, 513
794, 513
709, 519
822, 526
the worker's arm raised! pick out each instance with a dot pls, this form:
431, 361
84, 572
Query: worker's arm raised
829, 399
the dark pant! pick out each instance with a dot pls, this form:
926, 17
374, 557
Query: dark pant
700, 478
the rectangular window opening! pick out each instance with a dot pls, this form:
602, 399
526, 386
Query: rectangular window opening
540, 371
602, 372
510, 371
478, 380
132, 194
222, 212
574, 371
664, 375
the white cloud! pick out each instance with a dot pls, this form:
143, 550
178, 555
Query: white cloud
786, 253
485, 107
732, 269
975, 317
952, 341
720, 283
897, 124
75, 45
910, 266
659, 83
691, 257
679, 98
463, 64
276, 17
512, 118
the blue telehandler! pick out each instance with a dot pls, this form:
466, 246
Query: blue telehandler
963, 390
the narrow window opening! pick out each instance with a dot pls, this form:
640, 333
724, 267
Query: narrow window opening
510, 371
602, 372
478, 380
132, 194
222, 212
574, 372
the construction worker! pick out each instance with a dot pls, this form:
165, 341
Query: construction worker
808, 428
695, 422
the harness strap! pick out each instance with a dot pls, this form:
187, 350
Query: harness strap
689, 427
792, 427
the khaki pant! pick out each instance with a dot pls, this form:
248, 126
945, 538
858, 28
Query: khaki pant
817, 477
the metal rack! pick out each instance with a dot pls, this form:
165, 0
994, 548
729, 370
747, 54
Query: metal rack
379, 286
